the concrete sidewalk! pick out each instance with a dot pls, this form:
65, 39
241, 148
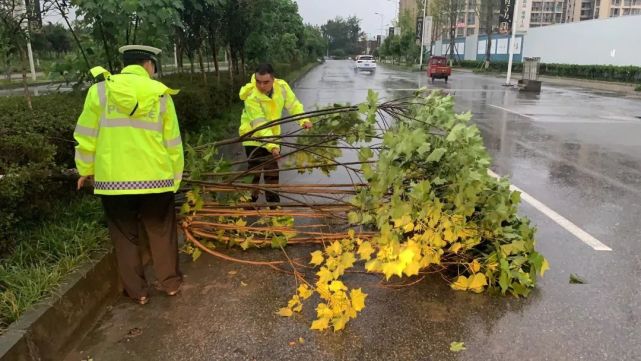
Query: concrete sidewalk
621, 88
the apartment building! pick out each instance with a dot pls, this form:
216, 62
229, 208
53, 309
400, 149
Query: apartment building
534, 13
545, 12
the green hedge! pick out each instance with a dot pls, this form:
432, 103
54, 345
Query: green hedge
37, 147
624, 74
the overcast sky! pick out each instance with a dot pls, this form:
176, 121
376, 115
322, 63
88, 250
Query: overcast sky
317, 12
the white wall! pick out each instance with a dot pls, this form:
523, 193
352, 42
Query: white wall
470, 47
614, 41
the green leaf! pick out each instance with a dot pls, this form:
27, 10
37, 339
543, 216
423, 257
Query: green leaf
279, 241
457, 346
436, 155
364, 154
196, 254
576, 279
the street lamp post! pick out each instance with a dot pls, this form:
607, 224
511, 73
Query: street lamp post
515, 18
420, 66
382, 29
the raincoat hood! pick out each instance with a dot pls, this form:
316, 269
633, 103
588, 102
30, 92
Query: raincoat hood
129, 99
248, 88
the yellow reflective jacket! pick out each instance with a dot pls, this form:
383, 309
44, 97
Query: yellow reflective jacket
128, 135
260, 109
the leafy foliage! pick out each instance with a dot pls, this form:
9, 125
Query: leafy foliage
343, 35
431, 203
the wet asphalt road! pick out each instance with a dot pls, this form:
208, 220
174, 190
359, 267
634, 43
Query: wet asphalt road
576, 151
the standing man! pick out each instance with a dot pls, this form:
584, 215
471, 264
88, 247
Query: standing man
265, 97
129, 142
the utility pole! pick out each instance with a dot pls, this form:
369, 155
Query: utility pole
515, 18
420, 66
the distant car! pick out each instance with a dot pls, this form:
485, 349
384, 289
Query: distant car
437, 68
365, 62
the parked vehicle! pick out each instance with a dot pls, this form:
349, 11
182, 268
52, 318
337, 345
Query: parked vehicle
365, 62
437, 68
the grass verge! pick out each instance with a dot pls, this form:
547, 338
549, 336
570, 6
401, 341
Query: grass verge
46, 253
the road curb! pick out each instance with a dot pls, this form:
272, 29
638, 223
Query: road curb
302, 75
52, 328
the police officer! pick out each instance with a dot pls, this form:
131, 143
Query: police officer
265, 97
129, 143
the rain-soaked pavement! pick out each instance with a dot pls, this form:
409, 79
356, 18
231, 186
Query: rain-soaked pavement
576, 151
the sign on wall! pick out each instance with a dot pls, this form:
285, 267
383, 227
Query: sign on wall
502, 46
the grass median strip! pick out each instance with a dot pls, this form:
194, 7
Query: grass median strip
46, 253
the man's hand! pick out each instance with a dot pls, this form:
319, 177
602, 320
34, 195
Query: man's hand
307, 125
82, 180
276, 152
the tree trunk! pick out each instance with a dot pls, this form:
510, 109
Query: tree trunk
230, 67
104, 43
27, 94
202, 65
242, 63
214, 52
488, 30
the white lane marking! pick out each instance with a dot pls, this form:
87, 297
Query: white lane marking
511, 111
582, 235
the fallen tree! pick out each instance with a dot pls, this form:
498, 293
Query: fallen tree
420, 201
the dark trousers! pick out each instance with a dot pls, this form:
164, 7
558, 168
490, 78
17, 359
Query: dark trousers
259, 158
127, 215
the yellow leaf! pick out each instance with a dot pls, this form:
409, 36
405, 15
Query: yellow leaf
324, 275
373, 265
477, 282
335, 249
320, 324
337, 286
285, 312
401, 222
393, 268
298, 307
475, 266
358, 299
322, 311
351, 233
304, 292
323, 291
339, 323
301, 340
460, 284
545, 266
347, 260
241, 223
406, 256
412, 269
317, 258
408, 227
448, 235
456, 247
365, 251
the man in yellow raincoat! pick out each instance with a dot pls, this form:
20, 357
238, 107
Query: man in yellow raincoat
129, 143
265, 97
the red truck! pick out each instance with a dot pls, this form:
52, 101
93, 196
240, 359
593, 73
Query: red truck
437, 68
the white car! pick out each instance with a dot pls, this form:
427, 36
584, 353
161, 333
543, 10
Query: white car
365, 62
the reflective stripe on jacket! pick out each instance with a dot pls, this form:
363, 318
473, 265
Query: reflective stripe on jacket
260, 109
128, 135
